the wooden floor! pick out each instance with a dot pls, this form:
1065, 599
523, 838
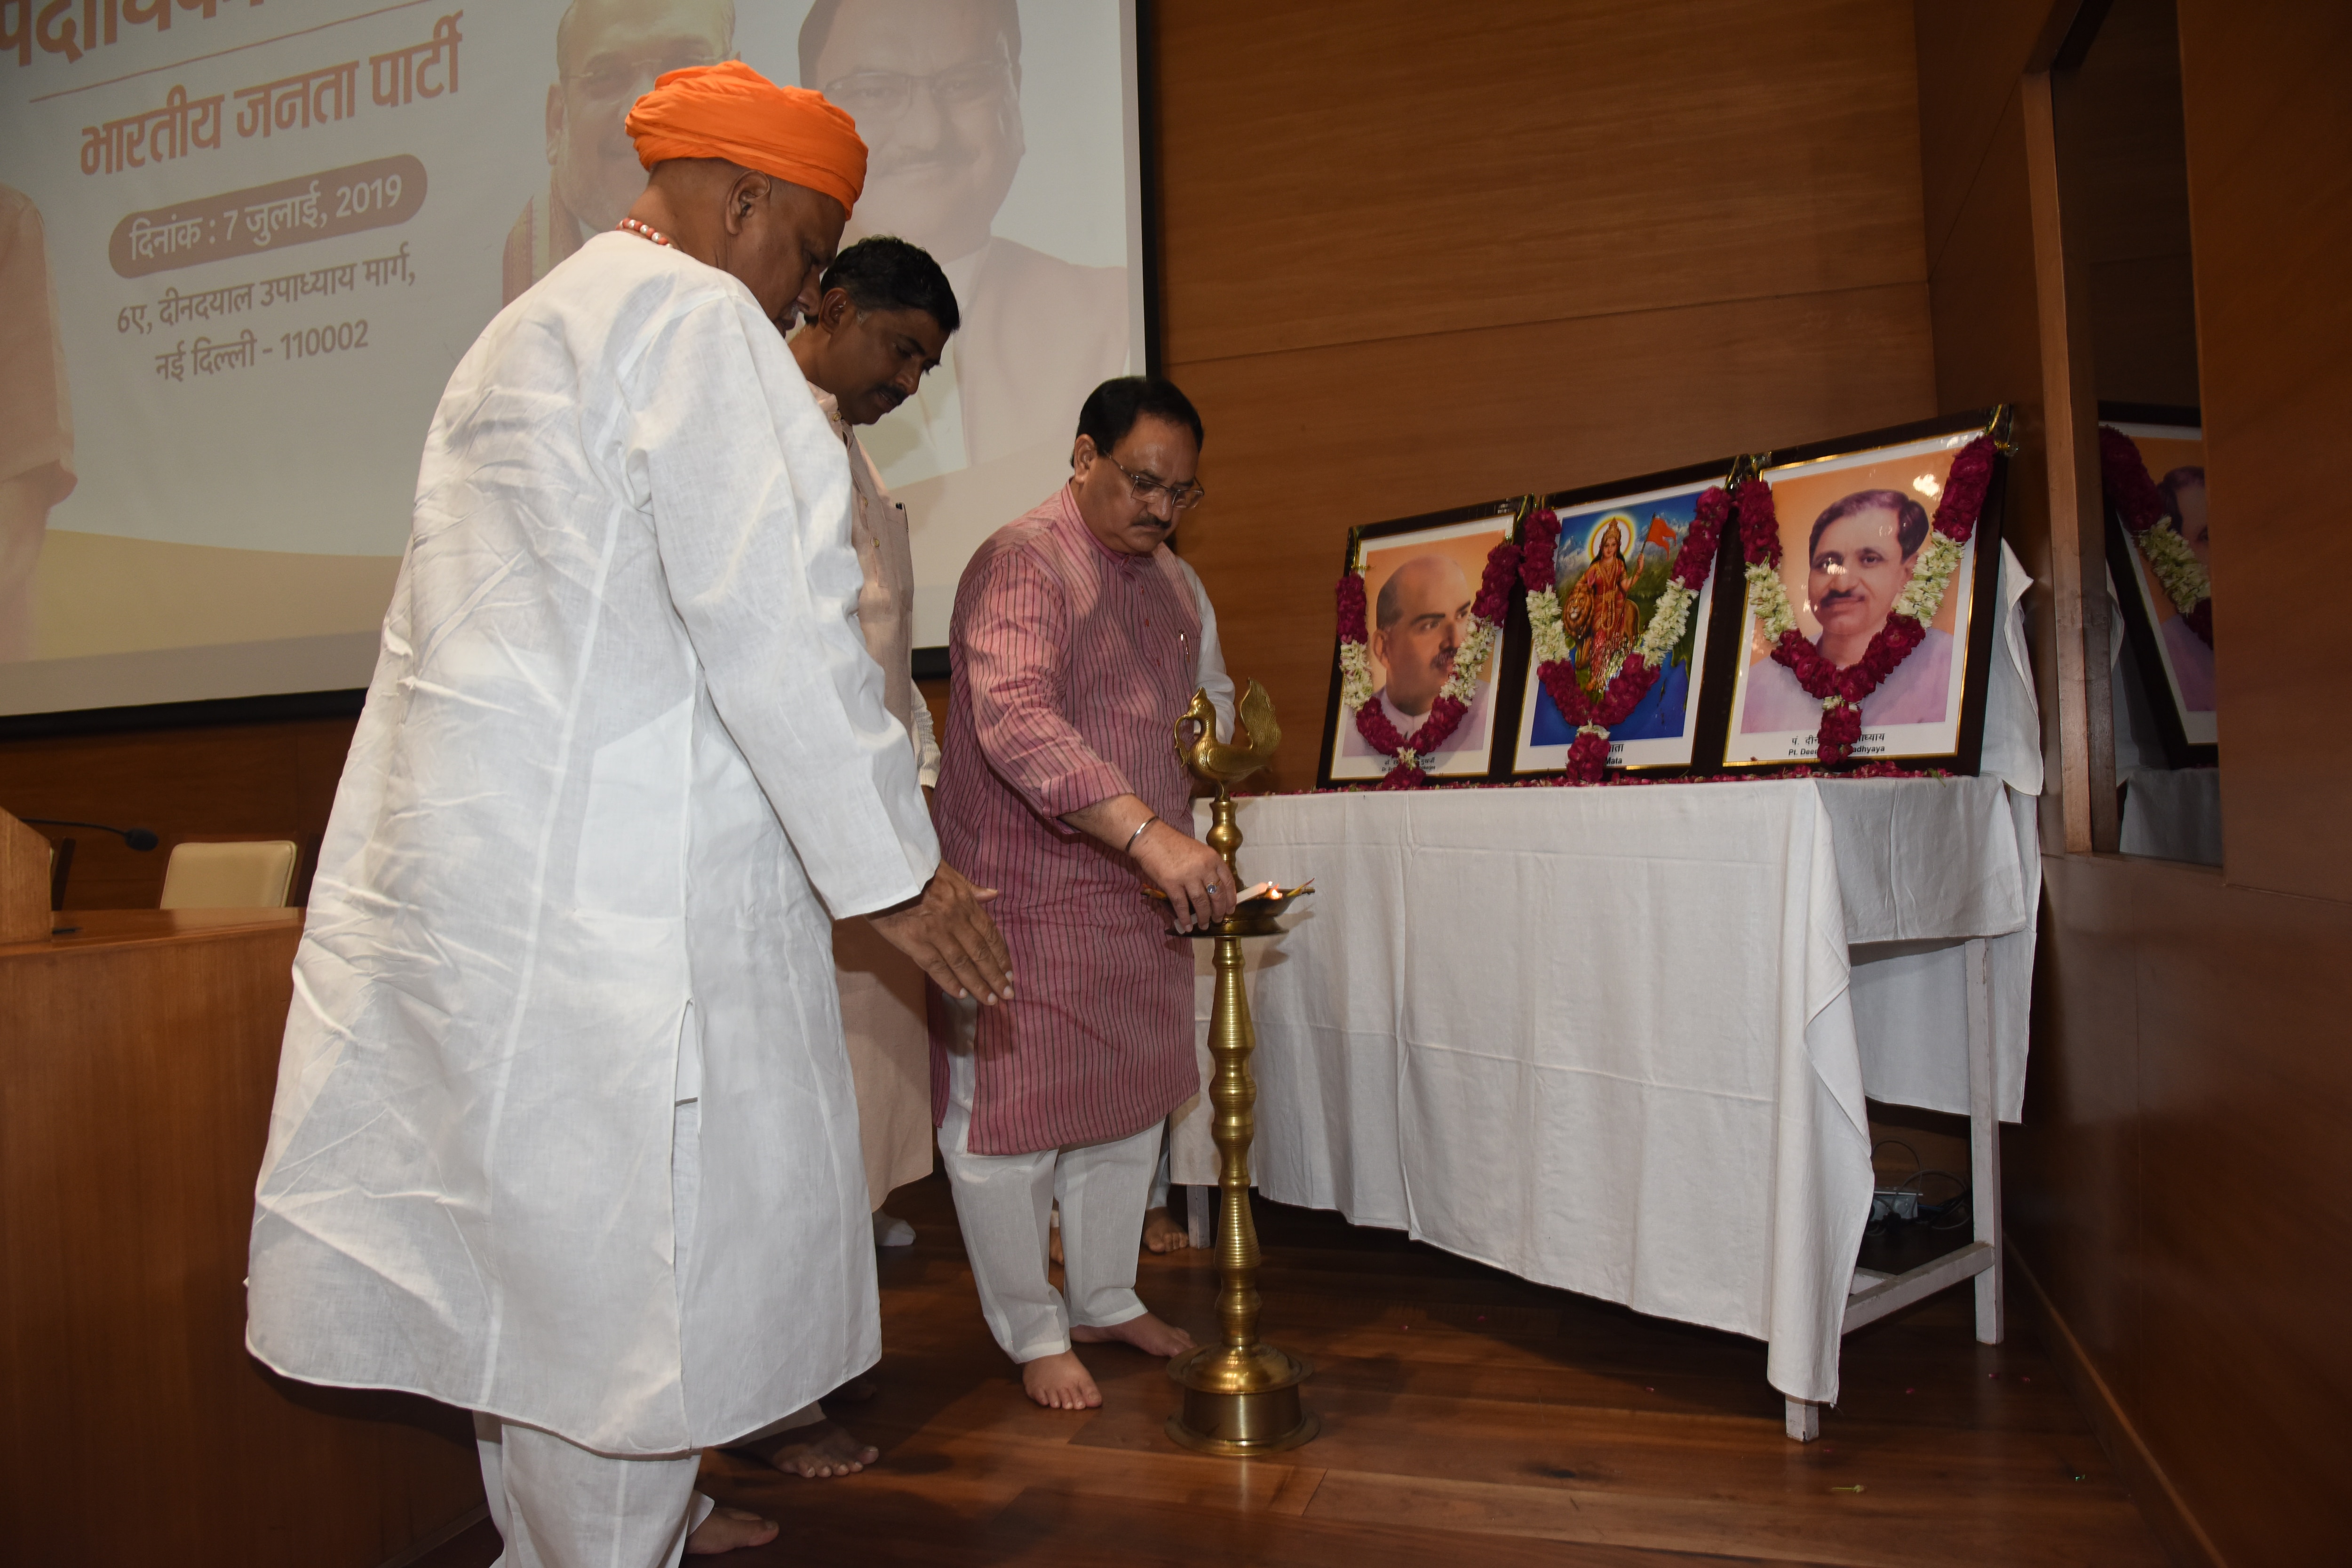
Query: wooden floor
1468, 1416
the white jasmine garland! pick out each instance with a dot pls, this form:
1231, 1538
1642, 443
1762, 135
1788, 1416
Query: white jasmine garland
1469, 661
2175, 564
1767, 601
1924, 595
1355, 675
1550, 635
1666, 624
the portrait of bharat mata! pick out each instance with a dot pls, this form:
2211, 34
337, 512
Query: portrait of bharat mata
1599, 576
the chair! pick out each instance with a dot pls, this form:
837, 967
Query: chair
253, 876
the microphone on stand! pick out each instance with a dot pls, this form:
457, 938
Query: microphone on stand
139, 839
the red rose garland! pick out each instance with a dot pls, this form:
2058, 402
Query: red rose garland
2140, 504
1588, 755
1446, 713
1841, 691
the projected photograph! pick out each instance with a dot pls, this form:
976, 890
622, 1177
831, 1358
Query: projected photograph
239, 258
1853, 525
1611, 567
1419, 576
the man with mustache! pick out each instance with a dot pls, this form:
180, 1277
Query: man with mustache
1857, 561
884, 314
935, 88
1075, 640
1419, 620
607, 54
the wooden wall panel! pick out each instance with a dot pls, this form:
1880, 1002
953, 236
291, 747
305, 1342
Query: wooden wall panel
2186, 1080
230, 781
1969, 58
2269, 190
135, 1082
1340, 173
2186, 1068
1411, 267
2129, 169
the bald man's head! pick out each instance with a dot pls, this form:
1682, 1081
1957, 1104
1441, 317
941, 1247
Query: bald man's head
1419, 620
607, 54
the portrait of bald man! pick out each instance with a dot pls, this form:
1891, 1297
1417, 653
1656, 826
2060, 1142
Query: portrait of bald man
935, 88
607, 54
1421, 617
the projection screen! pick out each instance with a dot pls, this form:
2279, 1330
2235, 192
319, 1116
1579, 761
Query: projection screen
242, 245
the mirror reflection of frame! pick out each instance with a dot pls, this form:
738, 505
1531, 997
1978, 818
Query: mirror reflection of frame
2172, 659
1428, 568
1852, 514
1606, 607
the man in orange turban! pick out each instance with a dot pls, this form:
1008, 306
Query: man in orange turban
624, 760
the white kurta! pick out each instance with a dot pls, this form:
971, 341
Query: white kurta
882, 1007
622, 735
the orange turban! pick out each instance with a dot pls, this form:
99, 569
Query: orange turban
730, 111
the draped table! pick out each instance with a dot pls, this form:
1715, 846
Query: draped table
1618, 1040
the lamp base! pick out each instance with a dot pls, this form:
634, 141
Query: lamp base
1263, 1417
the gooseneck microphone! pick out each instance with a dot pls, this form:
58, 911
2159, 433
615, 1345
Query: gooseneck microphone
138, 838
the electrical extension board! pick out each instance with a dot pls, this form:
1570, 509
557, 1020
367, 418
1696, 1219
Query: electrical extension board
1889, 1203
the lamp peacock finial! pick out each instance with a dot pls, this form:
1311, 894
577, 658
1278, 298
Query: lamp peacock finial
1221, 762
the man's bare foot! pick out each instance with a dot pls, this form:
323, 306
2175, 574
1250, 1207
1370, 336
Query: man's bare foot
1146, 1333
727, 1529
1054, 1245
820, 1452
1162, 1233
1060, 1382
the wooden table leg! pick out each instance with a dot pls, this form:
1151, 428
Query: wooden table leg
1804, 1420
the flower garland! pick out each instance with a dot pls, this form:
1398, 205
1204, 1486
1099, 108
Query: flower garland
1626, 678
1841, 691
1454, 698
2141, 506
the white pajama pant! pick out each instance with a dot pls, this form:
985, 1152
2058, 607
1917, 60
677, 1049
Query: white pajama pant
558, 1505
1003, 1203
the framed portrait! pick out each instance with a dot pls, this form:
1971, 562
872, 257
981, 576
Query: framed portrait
1617, 547
1420, 574
1853, 514
2169, 651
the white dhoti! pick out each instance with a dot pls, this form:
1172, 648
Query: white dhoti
556, 1503
889, 1056
1003, 1201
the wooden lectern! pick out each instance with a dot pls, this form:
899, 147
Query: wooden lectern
23, 882
137, 1056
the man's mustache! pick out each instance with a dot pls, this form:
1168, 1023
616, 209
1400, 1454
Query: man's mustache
947, 158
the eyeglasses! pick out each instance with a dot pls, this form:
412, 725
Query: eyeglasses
1181, 498
610, 77
877, 98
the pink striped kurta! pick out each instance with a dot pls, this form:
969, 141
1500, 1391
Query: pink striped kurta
1070, 663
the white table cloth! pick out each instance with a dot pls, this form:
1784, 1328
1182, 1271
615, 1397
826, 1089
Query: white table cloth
1618, 1040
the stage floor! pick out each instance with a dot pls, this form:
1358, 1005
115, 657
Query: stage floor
1468, 1416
